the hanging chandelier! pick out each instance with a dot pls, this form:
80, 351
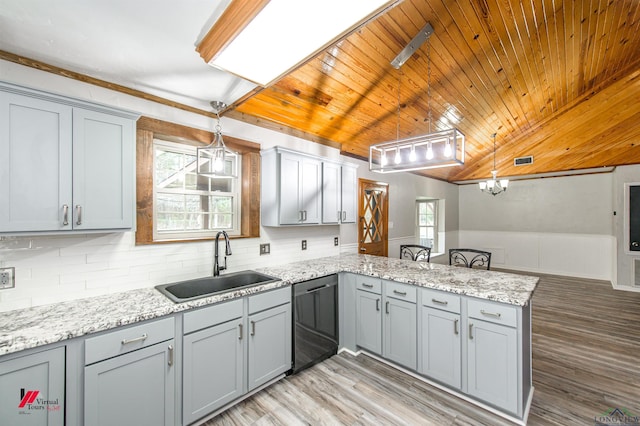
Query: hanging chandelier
212, 159
494, 186
443, 148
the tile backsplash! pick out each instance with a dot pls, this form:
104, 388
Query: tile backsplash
52, 269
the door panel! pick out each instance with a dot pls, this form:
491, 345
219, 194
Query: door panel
374, 212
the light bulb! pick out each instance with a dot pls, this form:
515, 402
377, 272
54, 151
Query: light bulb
447, 150
429, 151
412, 155
383, 158
218, 161
398, 158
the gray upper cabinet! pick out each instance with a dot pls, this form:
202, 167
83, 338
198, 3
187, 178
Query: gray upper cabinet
339, 193
290, 188
32, 389
64, 165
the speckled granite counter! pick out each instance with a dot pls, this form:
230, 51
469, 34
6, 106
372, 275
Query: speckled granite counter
28, 328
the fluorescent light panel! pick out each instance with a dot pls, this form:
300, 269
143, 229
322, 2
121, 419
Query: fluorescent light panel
286, 32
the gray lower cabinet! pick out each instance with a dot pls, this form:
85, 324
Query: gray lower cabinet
129, 376
32, 389
213, 369
441, 346
369, 321
492, 364
269, 344
400, 325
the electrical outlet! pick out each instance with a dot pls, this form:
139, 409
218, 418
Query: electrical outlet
7, 278
335, 241
304, 244
265, 249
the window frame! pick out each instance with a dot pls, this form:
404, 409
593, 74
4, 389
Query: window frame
434, 202
149, 129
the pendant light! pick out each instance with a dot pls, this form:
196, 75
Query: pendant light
212, 158
494, 186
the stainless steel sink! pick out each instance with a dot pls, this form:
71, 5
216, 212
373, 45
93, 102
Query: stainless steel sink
203, 287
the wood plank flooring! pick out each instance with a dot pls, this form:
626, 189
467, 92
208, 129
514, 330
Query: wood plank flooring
586, 360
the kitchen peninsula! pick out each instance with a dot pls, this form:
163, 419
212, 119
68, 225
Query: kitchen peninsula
482, 318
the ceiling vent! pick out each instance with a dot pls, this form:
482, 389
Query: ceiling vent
523, 161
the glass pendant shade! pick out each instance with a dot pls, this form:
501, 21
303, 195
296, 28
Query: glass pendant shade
212, 159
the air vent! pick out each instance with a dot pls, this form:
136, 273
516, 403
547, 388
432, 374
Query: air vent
523, 161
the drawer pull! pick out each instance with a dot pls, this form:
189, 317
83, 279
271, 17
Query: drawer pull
470, 331
400, 293
65, 215
440, 302
137, 339
79, 214
240, 330
367, 285
170, 361
455, 327
490, 314
253, 328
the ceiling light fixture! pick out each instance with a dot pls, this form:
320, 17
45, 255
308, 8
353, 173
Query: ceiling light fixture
494, 186
211, 159
275, 40
443, 148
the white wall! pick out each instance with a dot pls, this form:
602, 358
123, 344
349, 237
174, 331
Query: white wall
57, 268
560, 225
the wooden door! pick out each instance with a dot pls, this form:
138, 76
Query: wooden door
374, 212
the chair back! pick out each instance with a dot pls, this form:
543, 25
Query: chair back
470, 258
415, 252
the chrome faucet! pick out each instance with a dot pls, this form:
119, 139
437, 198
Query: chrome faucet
227, 252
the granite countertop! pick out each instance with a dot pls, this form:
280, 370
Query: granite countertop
32, 327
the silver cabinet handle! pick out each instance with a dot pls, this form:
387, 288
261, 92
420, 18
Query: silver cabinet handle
65, 215
377, 304
490, 314
400, 293
137, 339
386, 307
305, 215
344, 215
363, 249
367, 285
440, 302
78, 214
455, 327
470, 331
253, 328
338, 215
170, 361
240, 331
300, 215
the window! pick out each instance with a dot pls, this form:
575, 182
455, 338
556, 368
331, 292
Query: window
184, 203
427, 223
187, 205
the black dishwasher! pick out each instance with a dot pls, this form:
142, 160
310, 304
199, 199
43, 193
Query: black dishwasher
315, 321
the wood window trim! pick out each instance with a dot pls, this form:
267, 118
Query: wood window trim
150, 128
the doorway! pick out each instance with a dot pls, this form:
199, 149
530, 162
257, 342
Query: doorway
373, 211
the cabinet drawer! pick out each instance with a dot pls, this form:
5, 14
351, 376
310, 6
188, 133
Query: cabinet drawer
372, 285
126, 340
400, 291
493, 312
441, 300
212, 315
269, 299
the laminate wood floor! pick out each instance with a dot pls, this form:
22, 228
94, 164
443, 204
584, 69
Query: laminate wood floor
586, 360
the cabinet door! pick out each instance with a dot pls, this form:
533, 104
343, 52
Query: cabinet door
441, 346
349, 194
134, 389
311, 190
400, 332
269, 344
213, 369
331, 208
290, 189
369, 321
492, 364
103, 170
35, 164
32, 389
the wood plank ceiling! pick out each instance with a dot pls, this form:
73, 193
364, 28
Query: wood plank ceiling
559, 80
